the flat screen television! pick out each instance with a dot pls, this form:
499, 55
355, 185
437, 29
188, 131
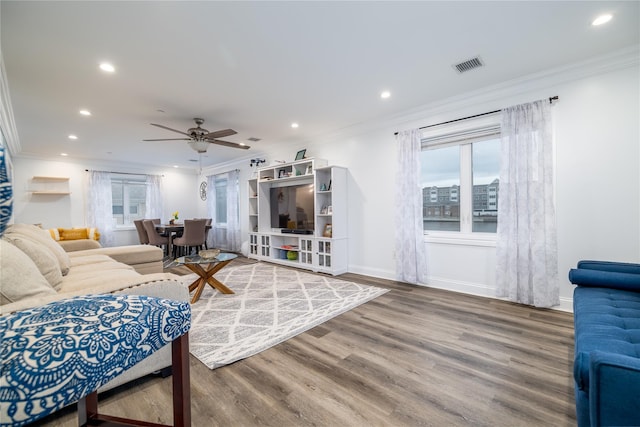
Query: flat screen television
292, 207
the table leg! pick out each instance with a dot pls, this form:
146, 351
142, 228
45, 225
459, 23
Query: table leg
206, 276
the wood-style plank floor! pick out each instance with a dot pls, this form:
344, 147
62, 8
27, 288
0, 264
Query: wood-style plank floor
415, 356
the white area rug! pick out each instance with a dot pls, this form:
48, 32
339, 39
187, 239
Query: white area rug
270, 305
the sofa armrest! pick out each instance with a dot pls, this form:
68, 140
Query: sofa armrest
79, 245
605, 279
614, 389
612, 266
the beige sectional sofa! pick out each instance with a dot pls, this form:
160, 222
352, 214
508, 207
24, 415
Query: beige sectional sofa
35, 270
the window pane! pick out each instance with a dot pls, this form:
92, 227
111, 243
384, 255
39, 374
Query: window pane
117, 201
486, 171
441, 189
221, 201
128, 201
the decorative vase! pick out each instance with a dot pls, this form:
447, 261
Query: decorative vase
172, 221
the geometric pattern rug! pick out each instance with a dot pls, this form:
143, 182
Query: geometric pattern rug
270, 305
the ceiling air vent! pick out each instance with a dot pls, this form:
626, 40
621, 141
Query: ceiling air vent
469, 64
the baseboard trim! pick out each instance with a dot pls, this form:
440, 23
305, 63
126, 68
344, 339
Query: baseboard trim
478, 289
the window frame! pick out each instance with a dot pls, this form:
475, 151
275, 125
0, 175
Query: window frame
439, 137
125, 181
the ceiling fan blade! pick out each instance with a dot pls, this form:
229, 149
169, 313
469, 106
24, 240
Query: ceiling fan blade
172, 130
169, 139
220, 133
228, 144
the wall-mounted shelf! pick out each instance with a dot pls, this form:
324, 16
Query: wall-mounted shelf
50, 185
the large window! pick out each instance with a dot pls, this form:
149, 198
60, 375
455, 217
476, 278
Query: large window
128, 200
460, 185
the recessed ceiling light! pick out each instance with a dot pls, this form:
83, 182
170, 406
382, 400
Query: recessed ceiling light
105, 66
64, 154
242, 143
602, 19
85, 112
175, 166
73, 137
294, 125
386, 94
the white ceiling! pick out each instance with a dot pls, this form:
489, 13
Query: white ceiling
256, 67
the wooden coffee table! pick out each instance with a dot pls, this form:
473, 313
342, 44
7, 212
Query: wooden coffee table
205, 268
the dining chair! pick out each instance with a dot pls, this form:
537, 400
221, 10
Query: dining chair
142, 233
193, 236
156, 238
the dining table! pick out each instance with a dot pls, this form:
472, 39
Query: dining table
171, 230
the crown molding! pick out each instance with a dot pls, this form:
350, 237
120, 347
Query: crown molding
495, 94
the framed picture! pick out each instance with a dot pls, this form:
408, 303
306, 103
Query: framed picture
281, 173
300, 154
328, 231
329, 210
309, 170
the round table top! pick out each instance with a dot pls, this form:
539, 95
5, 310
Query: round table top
197, 259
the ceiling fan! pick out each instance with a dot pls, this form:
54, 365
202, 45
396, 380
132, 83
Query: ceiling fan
200, 138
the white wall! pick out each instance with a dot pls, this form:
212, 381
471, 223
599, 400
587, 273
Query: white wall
597, 174
179, 188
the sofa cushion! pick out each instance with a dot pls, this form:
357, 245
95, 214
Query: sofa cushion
42, 236
131, 254
90, 281
606, 320
41, 257
605, 279
21, 278
89, 259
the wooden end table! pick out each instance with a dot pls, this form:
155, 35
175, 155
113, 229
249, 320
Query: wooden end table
205, 268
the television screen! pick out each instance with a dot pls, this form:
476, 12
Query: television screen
292, 207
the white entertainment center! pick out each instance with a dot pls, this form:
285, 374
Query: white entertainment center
298, 215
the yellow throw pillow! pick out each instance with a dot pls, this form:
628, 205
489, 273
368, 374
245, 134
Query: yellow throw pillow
55, 234
92, 233
73, 233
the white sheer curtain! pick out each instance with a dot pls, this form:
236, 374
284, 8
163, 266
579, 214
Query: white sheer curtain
526, 252
411, 262
155, 208
215, 238
99, 210
233, 216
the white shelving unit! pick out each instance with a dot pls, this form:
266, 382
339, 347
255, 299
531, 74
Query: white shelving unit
326, 249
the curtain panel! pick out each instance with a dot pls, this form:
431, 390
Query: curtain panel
526, 248
155, 207
411, 262
98, 209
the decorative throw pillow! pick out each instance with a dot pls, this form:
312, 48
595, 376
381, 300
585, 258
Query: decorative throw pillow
6, 193
20, 276
41, 257
73, 233
55, 234
43, 237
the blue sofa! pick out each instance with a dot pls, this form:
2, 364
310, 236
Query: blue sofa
606, 370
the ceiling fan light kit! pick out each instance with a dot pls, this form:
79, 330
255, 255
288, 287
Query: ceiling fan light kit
200, 138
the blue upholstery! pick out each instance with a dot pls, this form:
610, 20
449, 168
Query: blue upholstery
6, 193
607, 343
56, 354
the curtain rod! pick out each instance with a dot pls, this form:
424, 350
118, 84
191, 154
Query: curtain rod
121, 173
551, 99
222, 173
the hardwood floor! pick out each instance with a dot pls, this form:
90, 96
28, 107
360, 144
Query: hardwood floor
412, 357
